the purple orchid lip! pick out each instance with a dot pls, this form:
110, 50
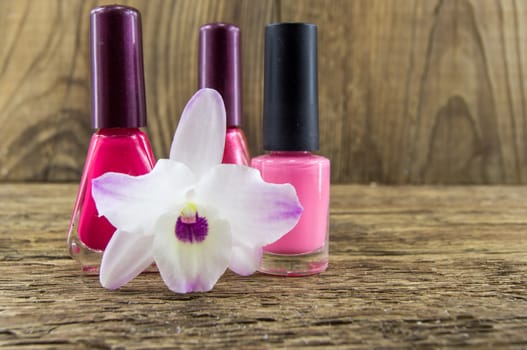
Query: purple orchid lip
192, 232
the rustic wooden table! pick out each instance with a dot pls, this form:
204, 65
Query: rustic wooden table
419, 267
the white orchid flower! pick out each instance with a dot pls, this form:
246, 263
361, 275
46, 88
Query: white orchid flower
191, 215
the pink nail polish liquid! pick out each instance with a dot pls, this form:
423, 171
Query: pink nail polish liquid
236, 150
125, 150
290, 134
304, 249
118, 112
220, 69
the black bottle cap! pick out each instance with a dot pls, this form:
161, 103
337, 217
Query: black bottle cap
290, 87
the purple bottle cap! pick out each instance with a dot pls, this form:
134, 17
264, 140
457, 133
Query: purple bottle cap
118, 87
220, 66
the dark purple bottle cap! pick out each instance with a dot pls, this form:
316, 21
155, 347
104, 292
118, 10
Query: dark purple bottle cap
118, 87
220, 66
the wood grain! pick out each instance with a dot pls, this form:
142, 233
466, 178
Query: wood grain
410, 267
411, 92
44, 88
421, 91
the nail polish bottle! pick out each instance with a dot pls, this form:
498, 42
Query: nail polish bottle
118, 113
290, 124
220, 69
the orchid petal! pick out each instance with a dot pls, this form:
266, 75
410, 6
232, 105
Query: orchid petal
200, 136
259, 213
192, 267
245, 260
135, 203
125, 257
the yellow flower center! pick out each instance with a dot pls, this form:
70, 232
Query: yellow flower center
189, 213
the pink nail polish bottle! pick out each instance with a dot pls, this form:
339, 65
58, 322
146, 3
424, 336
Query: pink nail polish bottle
118, 113
220, 69
290, 135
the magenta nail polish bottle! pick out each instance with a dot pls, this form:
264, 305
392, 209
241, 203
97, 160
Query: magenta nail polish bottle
220, 69
118, 113
290, 135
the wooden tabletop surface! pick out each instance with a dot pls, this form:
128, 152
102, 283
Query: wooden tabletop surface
410, 267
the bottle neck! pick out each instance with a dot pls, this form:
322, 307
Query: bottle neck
290, 153
118, 131
233, 123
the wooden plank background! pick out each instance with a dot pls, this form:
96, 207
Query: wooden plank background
411, 91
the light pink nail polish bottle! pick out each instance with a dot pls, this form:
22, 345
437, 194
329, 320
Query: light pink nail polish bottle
290, 135
118, 112
220, 69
